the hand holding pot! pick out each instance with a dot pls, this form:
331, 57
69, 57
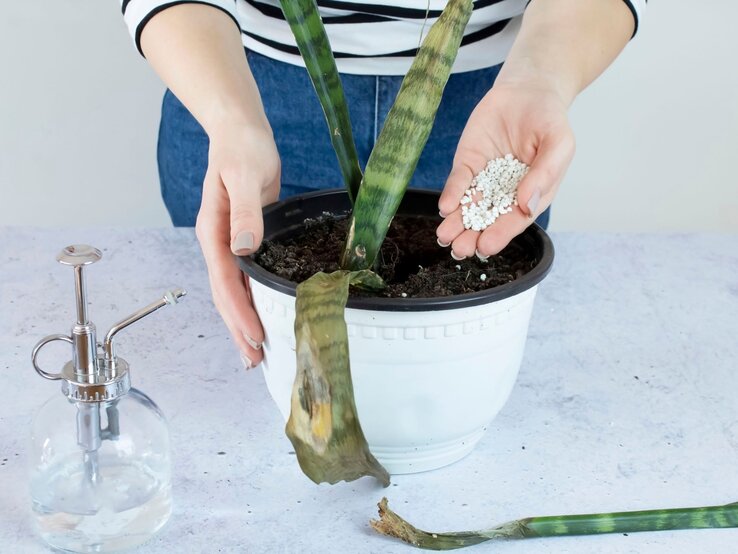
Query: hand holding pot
197, 51
243, 175
528, 121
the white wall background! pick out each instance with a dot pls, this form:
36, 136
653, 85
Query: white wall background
657, 134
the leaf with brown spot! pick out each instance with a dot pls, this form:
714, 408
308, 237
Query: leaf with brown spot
323, 426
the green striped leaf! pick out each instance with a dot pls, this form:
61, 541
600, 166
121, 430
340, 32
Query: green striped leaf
311, 38
403, 137
323, 425
711, 517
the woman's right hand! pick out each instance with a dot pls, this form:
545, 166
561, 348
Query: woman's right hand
243, 175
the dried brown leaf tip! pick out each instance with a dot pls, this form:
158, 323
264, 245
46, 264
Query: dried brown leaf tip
392, 525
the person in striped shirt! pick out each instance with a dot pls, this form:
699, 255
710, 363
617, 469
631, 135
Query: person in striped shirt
240, 117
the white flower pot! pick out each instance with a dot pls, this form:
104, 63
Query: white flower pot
429, 375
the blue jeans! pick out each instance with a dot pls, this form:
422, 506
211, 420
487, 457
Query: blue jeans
301, 134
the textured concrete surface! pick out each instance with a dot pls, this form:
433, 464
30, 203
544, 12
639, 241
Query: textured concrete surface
626, 400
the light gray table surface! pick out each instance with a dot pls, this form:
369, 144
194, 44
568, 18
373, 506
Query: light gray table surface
626, 400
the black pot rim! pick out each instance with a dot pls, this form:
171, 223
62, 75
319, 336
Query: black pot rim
535, 233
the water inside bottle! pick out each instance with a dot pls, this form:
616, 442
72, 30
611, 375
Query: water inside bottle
122, 507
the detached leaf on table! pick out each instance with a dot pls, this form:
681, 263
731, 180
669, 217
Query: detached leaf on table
710, 517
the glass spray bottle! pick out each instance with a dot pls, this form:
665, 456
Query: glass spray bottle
101, 472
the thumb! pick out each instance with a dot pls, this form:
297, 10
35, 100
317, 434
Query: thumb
453, 191
247, 224
546, 172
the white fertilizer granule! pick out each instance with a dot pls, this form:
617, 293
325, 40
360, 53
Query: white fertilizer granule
492, 192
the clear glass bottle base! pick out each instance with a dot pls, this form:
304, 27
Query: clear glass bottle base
123, 507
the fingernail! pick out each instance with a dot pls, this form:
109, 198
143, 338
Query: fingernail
441, 213
252, 343
246, 361
443, 244
457, 258
533, 204
243, 243
481, 257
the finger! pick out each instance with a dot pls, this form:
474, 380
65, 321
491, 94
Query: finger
250, 357
243, 323
458, 181
233, 302
245, 318
250, 319
465, 245
247, 226
546, 172
450, 228
230, 292
451, 232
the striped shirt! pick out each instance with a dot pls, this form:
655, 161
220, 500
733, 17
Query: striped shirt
368, 37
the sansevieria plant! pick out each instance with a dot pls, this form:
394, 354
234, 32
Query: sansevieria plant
323, 424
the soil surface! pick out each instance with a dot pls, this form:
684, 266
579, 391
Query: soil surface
411, 260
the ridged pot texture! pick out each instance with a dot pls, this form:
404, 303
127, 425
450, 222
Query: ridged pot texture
430, 374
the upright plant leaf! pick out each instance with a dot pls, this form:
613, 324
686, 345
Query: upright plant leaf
711, 517
403, 137
323, 425
311, 38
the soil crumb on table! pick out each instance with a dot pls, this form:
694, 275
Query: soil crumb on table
412, 263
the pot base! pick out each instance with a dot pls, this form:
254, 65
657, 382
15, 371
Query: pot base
404, 460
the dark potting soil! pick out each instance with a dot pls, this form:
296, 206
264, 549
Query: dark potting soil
411, 260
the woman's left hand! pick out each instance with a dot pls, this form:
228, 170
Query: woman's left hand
529, 121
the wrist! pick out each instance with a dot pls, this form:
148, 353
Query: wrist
525, 73
223, 119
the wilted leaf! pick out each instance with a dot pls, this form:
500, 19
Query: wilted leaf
323, 425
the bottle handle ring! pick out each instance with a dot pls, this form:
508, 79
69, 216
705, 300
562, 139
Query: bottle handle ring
36, 349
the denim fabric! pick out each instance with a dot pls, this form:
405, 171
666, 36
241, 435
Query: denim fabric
303, 142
